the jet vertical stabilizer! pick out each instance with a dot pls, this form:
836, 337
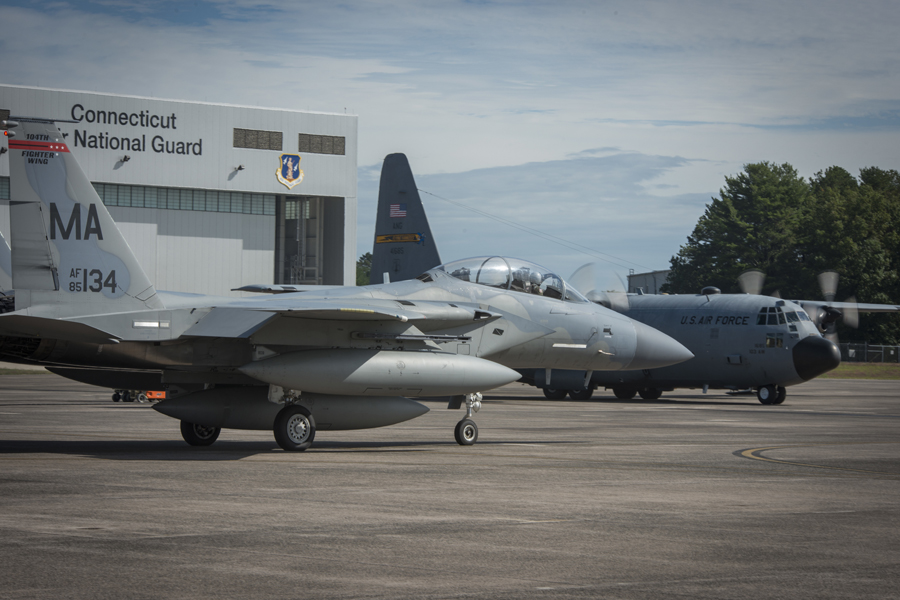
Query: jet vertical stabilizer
404, 247
68, 255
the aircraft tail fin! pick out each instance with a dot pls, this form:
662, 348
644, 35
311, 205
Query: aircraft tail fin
67, 251
404, 247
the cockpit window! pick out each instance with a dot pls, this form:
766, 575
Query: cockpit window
512, 274
775, 315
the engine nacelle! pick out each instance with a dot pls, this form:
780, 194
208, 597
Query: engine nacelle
250, 408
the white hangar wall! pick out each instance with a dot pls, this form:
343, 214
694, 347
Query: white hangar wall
199, 197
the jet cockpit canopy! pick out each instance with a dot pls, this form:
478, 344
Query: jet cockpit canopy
512, 274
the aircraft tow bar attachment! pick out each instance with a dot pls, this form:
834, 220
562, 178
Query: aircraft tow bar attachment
466, 431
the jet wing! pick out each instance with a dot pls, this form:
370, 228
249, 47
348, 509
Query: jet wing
270, 288
242, 321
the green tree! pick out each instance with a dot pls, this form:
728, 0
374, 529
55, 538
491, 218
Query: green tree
770, 219
854, 230
752, 225
363, 269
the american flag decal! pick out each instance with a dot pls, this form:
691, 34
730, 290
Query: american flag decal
398, 210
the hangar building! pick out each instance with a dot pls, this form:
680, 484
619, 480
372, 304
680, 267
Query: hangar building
211, 196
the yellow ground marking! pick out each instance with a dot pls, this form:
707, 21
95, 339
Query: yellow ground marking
755, 454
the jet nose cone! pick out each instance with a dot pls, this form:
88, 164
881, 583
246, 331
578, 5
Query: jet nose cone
654, 349
815, 355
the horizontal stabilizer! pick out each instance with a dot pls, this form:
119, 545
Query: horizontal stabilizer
17, 325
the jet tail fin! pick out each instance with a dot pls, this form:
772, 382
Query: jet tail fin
404, 247
67, 252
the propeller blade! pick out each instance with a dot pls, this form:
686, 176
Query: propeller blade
619, 300
751, 281
587, 280
584, 279
828, 282
851, 313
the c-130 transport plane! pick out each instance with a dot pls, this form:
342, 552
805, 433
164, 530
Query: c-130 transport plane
739, 341
330, 359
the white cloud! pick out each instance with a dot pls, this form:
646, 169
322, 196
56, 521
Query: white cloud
509, 96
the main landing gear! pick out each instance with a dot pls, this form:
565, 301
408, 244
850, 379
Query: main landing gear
770, 394
199, 435
466, 431
295, 428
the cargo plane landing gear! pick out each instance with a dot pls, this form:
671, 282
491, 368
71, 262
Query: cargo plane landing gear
466, 431
770, 394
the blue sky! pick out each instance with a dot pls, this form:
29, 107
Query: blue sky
606, 124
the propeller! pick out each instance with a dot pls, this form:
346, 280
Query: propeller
827, 316
751, 282
587, 280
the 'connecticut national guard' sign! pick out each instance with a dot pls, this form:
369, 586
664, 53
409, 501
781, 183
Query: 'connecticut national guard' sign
289, 172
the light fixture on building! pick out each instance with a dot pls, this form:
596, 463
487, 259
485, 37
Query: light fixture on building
3, 150
126, 158
239, 168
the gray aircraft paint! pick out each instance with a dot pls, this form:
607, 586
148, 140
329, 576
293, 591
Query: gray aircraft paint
5, 265
720, 330
67, 252
195, 341
415, 250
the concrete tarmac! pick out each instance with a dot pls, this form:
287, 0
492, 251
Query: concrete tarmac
690, 496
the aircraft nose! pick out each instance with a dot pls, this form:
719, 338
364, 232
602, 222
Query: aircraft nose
815, 355
654, 349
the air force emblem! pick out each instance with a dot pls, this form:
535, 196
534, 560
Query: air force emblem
289, 172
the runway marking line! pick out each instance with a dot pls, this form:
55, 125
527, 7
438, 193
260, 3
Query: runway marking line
756, 454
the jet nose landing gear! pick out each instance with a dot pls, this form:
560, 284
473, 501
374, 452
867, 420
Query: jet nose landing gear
466, 431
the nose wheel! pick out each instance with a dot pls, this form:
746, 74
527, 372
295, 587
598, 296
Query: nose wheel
466, 431
770, 394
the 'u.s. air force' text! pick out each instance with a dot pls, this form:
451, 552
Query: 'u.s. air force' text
718, 320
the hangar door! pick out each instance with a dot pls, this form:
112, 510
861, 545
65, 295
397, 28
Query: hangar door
309, 240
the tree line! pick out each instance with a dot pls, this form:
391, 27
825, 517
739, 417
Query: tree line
769, 218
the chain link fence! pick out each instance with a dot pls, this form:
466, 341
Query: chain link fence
851, 352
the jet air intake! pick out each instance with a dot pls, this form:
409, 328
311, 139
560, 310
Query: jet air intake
351, 371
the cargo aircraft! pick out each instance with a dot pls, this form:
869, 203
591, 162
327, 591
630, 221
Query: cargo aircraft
321, 359
740, 342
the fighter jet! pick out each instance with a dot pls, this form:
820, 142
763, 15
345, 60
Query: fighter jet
740, 342
292, 363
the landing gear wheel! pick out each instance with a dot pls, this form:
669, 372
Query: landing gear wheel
127, 397
199, 435
552, 394
583, 394
295, 428
466, 432
650, 393
781, 395
624, 394
116, 397
767, 394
